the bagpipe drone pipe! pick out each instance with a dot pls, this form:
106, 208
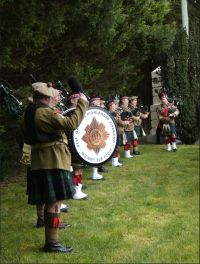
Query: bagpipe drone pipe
74, 85
175, 100
14, 107
11, 106
10, 102
64, 93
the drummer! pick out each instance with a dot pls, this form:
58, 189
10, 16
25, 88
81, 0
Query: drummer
112, 109
77, 166
95, 100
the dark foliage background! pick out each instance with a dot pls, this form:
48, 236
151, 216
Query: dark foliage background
112, 46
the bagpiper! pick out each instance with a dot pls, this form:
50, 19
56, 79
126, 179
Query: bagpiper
167, 112
77, 166
96, 100
111, 106
126, 115
138, 116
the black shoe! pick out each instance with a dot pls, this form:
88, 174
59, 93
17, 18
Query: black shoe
137, 153
40, 222
64, 210
174, 149
120, 161
56, 247
63, 226
102, 169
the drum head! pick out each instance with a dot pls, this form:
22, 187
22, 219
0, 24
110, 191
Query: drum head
95, 140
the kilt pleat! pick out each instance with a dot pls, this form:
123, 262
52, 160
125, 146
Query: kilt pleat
168, 129
129, 136
48, 186
138, 130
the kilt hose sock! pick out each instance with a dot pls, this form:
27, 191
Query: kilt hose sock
173, 138
135, 145
166, 141
51, 221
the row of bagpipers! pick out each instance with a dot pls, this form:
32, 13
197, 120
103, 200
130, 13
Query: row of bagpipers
128, 112
128, 115
15, 107
49, 170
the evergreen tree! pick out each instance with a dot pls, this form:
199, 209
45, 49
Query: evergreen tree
103, 42
181, 70
180, 73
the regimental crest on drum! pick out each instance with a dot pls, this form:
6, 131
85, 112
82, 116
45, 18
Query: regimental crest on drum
95, 136
95, 140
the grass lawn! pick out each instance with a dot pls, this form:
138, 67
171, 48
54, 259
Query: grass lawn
145, 212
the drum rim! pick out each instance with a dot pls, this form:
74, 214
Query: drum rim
75, 152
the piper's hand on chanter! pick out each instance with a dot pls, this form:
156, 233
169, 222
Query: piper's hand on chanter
171, 115
126, 122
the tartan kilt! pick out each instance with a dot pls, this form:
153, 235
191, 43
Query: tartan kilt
49, 186
138, 130
129, 137
120, 140
169, 129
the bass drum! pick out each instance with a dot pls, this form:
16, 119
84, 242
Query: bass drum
95, 140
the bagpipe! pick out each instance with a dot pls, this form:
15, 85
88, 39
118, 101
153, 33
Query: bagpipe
169, 109
10, 102
74, 85
94, 141
126, 115
64, 93
140, 109
16, 108
175, 100
173, 103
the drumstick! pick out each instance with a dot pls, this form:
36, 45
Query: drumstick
76, 86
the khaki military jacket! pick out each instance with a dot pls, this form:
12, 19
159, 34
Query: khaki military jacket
120, 123
137, 121
56, 154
